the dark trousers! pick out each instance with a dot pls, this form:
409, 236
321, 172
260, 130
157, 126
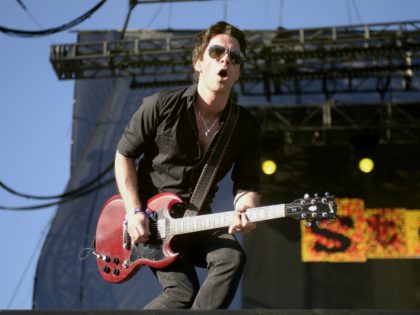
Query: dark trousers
215, 250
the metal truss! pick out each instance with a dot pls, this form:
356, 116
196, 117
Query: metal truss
338, 124
334, 67
333, 60
350, 59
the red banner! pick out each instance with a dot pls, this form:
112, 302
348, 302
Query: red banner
341, 240
412, 226
359, 234
386, 233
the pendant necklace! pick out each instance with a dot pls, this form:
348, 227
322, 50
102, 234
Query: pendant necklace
208, 129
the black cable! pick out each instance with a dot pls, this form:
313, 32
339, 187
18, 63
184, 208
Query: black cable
46, 205
24, 33
127, 18
23, 6
357, 11
64, 195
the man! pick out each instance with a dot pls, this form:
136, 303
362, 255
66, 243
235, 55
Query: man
171, 133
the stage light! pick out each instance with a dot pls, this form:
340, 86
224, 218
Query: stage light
269, 167
366, 165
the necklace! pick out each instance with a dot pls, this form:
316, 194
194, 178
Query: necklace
208, 129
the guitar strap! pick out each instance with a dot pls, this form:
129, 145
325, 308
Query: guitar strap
214, 160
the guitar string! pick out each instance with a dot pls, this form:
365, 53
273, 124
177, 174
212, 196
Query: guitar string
287, 206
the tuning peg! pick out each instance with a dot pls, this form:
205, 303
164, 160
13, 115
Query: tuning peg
327, 194
306, 196
316, 195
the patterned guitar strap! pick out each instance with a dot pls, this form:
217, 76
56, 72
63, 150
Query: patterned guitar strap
214, 160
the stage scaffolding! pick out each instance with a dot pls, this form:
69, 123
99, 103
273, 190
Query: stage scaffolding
313, 86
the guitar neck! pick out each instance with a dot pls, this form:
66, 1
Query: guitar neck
222, 219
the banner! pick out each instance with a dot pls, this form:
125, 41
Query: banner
386, 233
412, 227
341, 240
359, 234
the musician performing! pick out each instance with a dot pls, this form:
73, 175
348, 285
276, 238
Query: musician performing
172, 154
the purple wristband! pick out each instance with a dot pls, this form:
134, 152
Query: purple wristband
147, 212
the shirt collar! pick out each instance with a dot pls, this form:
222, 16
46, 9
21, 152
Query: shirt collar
190, 94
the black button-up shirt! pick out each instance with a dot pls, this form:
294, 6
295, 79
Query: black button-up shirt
163, 134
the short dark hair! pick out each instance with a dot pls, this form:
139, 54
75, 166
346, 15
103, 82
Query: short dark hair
204, 37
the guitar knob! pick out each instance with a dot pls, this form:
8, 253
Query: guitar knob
308, 223
116, 272
116, 260
106, 258
106, 269
125, 264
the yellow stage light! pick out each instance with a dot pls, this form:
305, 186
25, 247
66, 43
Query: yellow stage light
269, 167
366, 165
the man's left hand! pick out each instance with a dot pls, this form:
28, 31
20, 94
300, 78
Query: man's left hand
243, 200
241, 223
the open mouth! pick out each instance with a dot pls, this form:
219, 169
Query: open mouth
223, 73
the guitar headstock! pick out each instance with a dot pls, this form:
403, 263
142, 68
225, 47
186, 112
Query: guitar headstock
313, 208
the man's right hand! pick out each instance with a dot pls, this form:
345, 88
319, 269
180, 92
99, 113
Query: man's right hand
138, 227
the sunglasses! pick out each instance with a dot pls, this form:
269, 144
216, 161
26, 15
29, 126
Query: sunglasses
236, 56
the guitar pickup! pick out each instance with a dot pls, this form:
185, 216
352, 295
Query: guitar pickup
126, 241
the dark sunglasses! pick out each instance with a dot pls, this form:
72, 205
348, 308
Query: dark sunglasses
236, 56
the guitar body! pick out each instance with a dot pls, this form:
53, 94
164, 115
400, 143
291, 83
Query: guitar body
117, 258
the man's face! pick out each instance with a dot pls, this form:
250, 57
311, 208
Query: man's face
218, 73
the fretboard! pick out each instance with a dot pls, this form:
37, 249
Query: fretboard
222, 219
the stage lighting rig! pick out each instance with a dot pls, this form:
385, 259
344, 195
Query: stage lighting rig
313, 86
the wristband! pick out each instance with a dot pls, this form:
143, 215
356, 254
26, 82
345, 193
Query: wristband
136, 210
133, 212
147, 212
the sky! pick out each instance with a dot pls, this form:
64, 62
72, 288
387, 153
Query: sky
36, 107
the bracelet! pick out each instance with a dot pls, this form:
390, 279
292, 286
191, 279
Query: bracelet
239, 196
133, 212
147, 212
136, 210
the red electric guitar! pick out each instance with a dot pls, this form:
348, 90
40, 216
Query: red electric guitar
118, 260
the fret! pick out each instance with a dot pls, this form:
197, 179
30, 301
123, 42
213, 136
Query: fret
266, 213
222, 219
